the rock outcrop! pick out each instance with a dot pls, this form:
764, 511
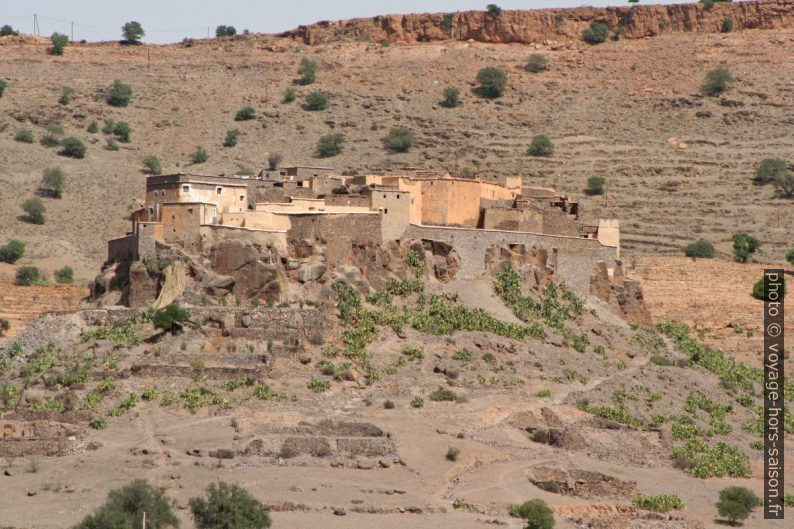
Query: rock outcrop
625, 293
540, 25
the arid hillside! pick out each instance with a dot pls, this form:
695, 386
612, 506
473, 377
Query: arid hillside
678, 165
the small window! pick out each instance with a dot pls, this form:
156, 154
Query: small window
384, 196
151, 210
190, 210
398, 196
186, 189
242, 197
218, 190
386, 211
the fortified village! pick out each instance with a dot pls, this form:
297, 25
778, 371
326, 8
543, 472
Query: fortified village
253, 233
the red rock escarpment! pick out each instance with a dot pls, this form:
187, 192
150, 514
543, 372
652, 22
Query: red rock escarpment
550, 24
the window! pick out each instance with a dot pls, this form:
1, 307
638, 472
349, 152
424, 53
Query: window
398, 196
151, 210
386, 211
242, 197
384, 196
186, 189
218, 190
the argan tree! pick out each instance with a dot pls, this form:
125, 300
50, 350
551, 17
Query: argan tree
132, 32
53, 181
59, 42
229, 506
492, 81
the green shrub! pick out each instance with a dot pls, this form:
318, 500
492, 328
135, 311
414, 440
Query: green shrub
443, 395
400, 139
769, 169
790, 256
536, 513
7, 30
289, 95
389, 405
228, 506
231, 138
700, 248
494, 10
111, 145
107, 128
73, 147
66, 95
451, 97
417, 402
124, 509
536, 63
225, 31
659, 502
761, 291
132, 32
119, 95
93, 127
3, 86
273, 160
49, 140
596, 33
541, 146
744, 246
784, 184
98, 423
12, 251
170, 318
727, 26
736, 503
27, 276
330, 145
453, 453
316, 101
245, 114
24, 136
35, 210
318, 385
53, 182
59, 42
707, 4
492, 81
718, 81
153, 165
200, 155
64, 276
595, 185
122, 131
307, 70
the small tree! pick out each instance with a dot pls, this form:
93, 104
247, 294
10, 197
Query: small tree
12, 251
451, 97
494, 10
400, 139
200, 155
231, 138
595, 185
3, 85
784, 184
718, 81
541, 146
120, 94
53, 181
537, 514
153, 165
700, 248
761, 290
229, 506
330, 145
316, 101
122, 131
66, 95
727, 26
769, 169
35, 209
273, 160
225, 31
289, 95
536, 63
59, 42
124, 509
170, 318
93, 127
307, 70
744, 245
245, 114
7, 30
27, 276
5, 326
64, 276
596, 33
492, 81
707, 4
736, 503
790, 256
132, 32
24, 136
73, 147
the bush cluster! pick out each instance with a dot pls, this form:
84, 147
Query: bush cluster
536, 63
35, 210
12, 251
700, 248
225, 31
120, 94
59, 42
596, 33
492, 81
316, 101
330, 145
451, 97
541, 146
53, 181
400, 139
307, 70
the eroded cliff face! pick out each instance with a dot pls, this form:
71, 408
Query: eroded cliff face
550, 24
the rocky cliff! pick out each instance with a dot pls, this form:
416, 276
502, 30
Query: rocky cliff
550, 24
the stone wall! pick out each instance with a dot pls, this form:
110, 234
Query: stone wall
575, 257
337, 231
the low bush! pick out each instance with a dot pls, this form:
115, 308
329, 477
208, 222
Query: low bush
153, 165
699, 249
225, 31
231, 138
536, 63
307, 70
400, 139
170, 318
124, 509
12, 251
718, 81
451, 97
245, 114
536, 513
73, 147
453, 453
790, 256
122, 131
541, 146
289, 95
59, 42
273, 160
53, 181
316, 101
595, 185
389, 405
27, 276
200, 155
35, 210
493, 10
93, 127
66, 95
24, 136
120, 94
64, 276
3, 86
769, 169
443, 395
784, 184
330, 145
658, 502
229, 506
492, 81
727, 26
597, 33
744, 246
762, 291
417, 402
